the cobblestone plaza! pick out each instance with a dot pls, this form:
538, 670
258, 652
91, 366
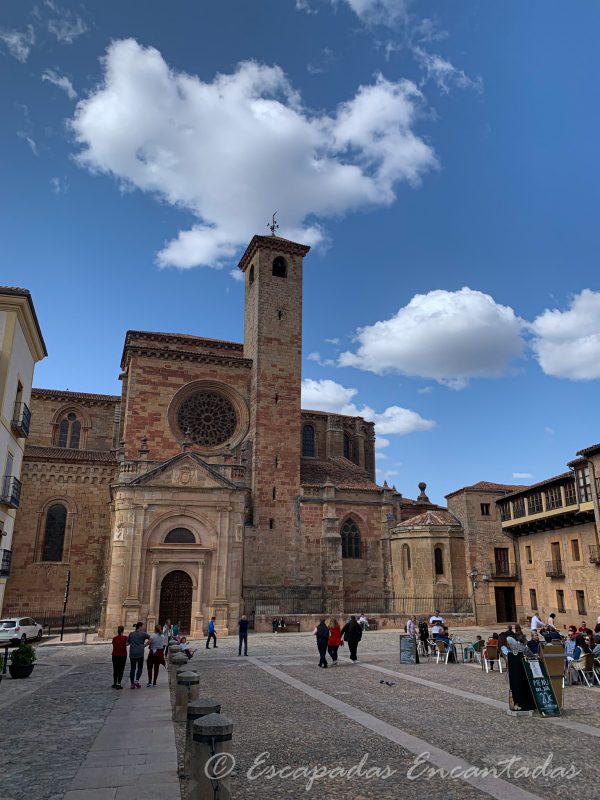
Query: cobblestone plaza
67, 735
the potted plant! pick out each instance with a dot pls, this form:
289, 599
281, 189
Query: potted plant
22, 661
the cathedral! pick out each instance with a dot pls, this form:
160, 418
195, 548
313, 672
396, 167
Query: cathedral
204, 489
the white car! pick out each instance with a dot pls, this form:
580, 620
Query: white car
19, 629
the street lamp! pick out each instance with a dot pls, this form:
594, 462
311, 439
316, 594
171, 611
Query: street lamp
473, 574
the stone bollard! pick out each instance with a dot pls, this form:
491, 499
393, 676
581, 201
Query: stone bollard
176, 662
195, 710
211, 738
188, 684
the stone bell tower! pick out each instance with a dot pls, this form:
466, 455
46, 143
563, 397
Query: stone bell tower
272, 269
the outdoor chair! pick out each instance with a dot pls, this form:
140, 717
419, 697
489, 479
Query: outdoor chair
490, 655
422, 652
443, 652
585, 669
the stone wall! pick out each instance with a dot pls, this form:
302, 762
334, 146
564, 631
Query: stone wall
83, 487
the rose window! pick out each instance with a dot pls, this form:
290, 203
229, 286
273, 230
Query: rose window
207, 419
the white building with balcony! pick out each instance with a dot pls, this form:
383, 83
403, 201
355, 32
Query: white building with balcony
21, 347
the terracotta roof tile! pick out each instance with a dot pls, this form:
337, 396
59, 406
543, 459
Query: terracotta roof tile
184, 336
431, 517
488, 486
109, 398
34, 452
342, 473
533, 486
587, 450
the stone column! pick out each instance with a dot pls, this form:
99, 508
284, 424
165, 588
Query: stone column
152, 612
198, 621
335, 437
211, 735
220, 603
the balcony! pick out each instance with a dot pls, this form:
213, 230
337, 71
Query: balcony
594, 554
503, 571
5, 559
11, 491
555, 569
21, 419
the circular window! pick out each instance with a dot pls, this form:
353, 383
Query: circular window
207, 418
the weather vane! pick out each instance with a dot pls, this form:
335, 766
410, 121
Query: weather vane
274, 225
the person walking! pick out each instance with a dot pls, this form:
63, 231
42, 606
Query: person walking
176, 630
137, 641
352, 634
156, 655
167, 632
119, 657
322, 634
243, 634
335, 640
211, 633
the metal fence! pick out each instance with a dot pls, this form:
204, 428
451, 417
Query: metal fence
76, 617
289, 603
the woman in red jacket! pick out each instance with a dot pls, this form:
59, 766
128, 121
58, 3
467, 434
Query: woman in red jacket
335, 640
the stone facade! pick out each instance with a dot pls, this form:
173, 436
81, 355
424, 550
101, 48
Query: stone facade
204, 488
555, 525
78, 480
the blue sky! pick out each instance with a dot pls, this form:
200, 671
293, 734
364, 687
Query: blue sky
440, 158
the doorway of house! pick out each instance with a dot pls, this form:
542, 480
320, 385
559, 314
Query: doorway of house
506, 608
176, 599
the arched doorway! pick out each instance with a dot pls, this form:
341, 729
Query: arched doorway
176, 599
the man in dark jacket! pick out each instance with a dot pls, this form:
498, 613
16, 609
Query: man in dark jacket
243, 628
352, 633
322, 634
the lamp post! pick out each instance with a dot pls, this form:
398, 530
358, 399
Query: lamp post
473, 574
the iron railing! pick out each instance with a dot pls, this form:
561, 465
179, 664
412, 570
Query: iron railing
5, 559
289, 603
21, 419
594, 554
504, 570
50, 618
11, 491
555, 569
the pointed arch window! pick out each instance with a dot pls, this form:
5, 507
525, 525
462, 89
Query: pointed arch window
438, 558
347, 447
54, 533
180, 536
308, 441
351, 546
69, 432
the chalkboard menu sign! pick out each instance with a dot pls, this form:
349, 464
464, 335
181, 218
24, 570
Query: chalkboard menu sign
408, 649
541, 688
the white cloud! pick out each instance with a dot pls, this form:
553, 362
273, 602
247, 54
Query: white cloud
18, 43
66, 26
59, 185
425, 390
327, 395
61, 81
567, 343
380, 443
31, 142
334, 341
549, 430
379, 12
231, 150
522, 475
237, 275
323, 362
443, 73
447, 336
